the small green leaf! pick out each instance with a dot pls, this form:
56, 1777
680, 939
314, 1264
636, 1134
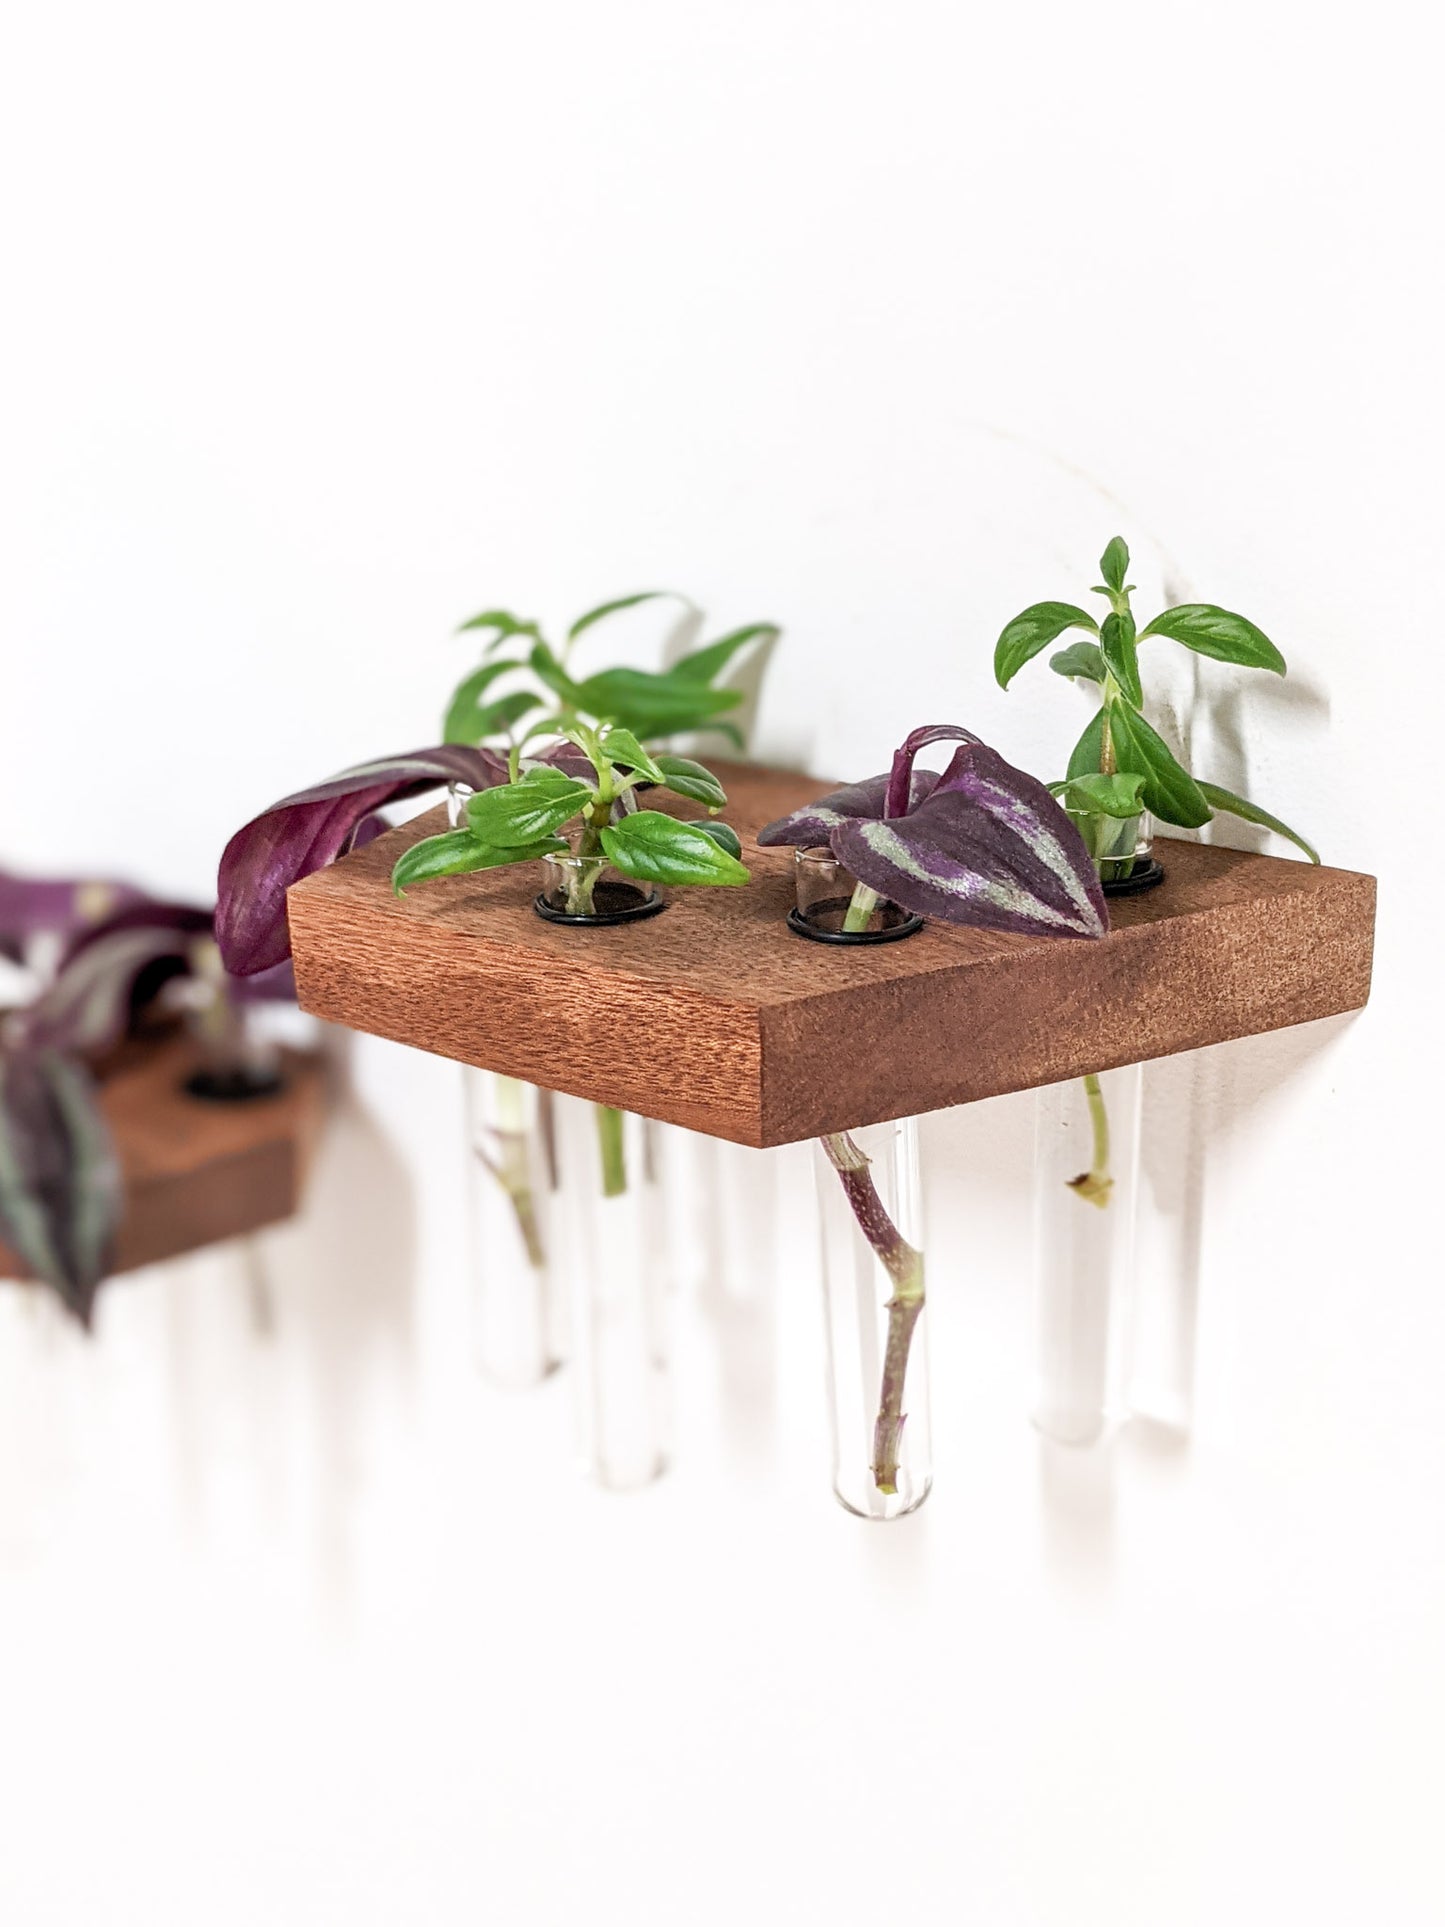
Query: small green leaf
1079, 659
687, 778
1114, 563
620, 746
1118, 795
703, 664
458, 852
1090, 747
726, 839
1169, 790
514, 814
1211, 631
504, 623
612, 608
1116, 646
658, 849
1033, 630
1248, 812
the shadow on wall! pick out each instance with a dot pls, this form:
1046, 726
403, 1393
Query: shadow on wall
1192, 1104
331, 1298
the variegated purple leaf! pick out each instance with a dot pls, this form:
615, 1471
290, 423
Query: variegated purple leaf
88, 1007
305, 832
60, 1182
899, 798
989, 847
810, 827
63, 906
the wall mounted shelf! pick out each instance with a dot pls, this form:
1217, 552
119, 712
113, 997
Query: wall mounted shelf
196, 1172
714, 1016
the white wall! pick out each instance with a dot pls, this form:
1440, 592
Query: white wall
324, 325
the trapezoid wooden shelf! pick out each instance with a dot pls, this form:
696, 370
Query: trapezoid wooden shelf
713, 1015
197, 1173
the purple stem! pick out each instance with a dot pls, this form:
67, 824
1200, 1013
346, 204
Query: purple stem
900, 777
904, 1265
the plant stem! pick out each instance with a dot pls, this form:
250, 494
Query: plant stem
861, 906
511, 1168
904, 1265
1095, 1185
614, 1153
582, 880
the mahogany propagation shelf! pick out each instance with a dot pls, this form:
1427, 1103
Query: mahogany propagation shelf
195, 1172
715, 1016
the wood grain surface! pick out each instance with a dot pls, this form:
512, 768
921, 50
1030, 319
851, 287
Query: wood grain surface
714, 1015
197, 1173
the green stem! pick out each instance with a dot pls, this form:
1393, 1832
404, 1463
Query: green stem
1095, 1185
591, 860
861, 906
511, 1166
904, 1265
613, 1149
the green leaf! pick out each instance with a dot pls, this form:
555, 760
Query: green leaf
1169, 790
1114, 563
1118, 795
1033, 630
652, 705
466, 700
621, 746
547, 670
457, 852
687, 778
473, 723
504, 623
1079, 659
725, 837
658, 849
1090, 747
1116, 646
514, 814
611, 609
1210, 631
1241, 807
703, 664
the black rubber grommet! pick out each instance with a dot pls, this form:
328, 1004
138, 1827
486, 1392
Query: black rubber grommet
233, 1087
800, 927
1144, 876
647, 906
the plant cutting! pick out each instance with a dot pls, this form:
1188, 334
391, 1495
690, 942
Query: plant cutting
1120, 765
1119, 773
525, 818
522, 676
984, 844
523, 689
581, 826
60, 1183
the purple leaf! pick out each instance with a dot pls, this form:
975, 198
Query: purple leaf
899, 799
88, 1007
32, 906
989, 847
305, 832
811, 827
274, 986
60, 1182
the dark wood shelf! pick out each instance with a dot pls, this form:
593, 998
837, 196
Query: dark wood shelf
715, 1016
195, 1172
